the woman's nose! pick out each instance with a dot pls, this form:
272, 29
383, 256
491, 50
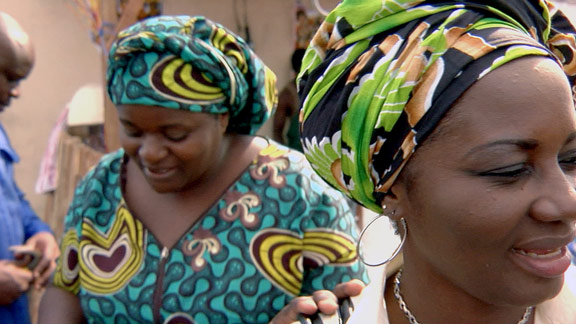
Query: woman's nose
557, 200
152, 150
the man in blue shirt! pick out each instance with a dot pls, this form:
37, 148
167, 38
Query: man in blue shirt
19, 226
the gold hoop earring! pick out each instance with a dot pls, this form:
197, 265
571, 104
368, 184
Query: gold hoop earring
396, 251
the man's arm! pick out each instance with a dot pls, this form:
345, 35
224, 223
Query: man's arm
32, 223
38, 236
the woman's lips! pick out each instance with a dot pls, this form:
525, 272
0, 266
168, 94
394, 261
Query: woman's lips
158, 173
546, 263
543, 253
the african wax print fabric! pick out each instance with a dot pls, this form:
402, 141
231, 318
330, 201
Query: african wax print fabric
278, 231
194, 64
379, 75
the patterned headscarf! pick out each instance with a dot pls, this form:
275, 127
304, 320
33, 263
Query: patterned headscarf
379, 75
194, 64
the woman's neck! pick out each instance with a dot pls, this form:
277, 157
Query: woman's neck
433, 301
181, 209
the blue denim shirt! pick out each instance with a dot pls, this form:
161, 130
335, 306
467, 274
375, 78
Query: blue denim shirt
18, 222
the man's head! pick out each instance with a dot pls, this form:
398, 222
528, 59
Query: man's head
16, 58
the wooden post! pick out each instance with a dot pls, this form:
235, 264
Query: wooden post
129, 16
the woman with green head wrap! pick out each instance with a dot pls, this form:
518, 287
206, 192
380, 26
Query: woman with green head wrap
456, 120
196, 219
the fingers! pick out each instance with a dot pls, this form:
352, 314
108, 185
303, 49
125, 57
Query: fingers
44, 242
23, 277
43, 272
322, 301
299, 305
349, 289
326, 301
14, 281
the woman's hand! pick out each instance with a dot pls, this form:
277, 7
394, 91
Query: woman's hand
322, 301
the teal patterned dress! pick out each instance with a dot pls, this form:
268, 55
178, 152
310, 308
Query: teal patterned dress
279, 231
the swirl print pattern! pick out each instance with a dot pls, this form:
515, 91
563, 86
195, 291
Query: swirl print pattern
278, 254
178, 81
218, 272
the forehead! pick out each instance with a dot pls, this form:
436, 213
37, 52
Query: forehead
16, 62
17, 51
21, 64
159, 116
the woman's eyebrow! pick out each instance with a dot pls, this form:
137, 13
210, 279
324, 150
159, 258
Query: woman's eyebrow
524, 144
173, 125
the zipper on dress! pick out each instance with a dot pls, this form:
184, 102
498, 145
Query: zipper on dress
159, 291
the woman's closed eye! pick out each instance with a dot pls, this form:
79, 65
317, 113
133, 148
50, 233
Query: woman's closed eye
176, 135
510, 173
132, 132
568, 161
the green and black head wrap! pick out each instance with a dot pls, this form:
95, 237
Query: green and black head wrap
194, 64
379, 75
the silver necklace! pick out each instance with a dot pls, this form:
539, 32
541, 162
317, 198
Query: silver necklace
413, 319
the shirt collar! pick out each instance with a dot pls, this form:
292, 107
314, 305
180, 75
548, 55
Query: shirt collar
6, 148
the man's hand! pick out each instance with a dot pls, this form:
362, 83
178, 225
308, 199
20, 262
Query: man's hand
47, 245
14, 281
323, 301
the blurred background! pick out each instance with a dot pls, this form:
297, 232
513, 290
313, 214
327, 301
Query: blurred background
63, 121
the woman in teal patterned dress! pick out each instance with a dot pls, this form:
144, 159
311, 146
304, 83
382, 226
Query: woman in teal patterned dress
456, 120
195, 219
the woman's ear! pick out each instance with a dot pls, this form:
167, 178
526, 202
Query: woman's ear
224, 119
394, 202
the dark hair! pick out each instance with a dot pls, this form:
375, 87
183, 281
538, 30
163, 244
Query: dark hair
296, 59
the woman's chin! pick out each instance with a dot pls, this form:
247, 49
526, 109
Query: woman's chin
163, 188
539, 292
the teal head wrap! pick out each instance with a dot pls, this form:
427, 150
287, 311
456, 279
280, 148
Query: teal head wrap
194, 64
